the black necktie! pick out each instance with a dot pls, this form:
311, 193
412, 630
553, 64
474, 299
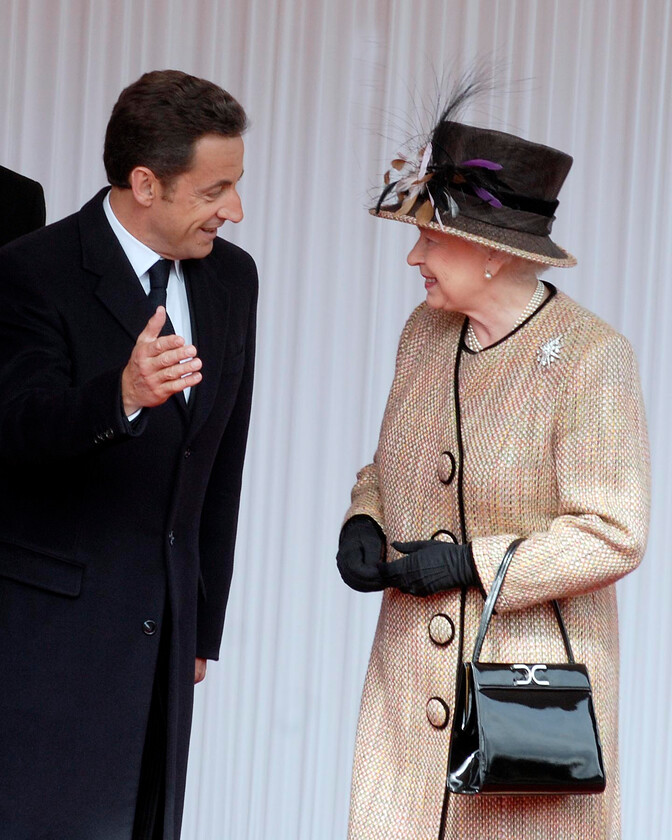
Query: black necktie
158, 283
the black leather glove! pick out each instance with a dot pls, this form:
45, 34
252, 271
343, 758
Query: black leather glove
431, 566
361, 548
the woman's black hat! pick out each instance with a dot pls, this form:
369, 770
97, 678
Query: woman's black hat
486, 186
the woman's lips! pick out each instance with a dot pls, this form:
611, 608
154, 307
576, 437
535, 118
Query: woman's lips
430, 282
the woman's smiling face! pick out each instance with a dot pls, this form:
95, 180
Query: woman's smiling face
452, 267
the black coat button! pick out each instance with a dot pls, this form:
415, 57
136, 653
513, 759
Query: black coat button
149, 627
187, 453
171, 538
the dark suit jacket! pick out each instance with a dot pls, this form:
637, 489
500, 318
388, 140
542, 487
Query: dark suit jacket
21, 205
102, 524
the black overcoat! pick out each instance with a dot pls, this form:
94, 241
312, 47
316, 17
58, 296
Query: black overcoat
103, 524
22, 206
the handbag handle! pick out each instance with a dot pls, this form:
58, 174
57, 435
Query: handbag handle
492, 598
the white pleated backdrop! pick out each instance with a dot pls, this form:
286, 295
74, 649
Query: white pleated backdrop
332, 88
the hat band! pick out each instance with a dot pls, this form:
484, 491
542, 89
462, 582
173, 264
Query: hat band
503, 217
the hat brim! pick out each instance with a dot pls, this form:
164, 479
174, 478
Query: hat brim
539, 249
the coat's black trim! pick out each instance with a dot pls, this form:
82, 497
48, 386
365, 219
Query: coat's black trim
464, 346
458, 432
463, 533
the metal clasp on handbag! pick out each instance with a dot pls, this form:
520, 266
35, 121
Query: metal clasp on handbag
530, 674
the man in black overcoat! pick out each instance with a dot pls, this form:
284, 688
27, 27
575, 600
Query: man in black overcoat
22, 206
121, 453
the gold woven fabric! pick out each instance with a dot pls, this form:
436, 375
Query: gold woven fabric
554, 449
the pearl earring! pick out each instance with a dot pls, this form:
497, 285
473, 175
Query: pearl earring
487, 274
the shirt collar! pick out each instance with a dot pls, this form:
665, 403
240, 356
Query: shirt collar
139, 255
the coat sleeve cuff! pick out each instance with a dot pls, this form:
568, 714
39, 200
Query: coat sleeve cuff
488, 553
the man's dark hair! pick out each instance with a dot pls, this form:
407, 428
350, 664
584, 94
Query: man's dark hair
158, 119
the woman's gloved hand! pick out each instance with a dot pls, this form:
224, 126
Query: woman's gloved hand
431, 566
361, 548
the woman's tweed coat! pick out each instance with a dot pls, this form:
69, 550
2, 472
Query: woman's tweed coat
541, 435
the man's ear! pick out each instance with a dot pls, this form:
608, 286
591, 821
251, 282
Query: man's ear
144, 185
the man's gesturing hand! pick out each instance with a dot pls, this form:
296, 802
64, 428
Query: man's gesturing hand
154, 372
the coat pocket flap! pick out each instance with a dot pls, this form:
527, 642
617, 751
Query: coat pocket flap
44, 571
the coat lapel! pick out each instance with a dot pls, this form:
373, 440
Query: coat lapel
209, 310
118, 286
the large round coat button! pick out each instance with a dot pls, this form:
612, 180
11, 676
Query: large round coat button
441, 629
437, 713
445, 468
149, 627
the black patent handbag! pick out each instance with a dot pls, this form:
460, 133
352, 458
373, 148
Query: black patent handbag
524, 728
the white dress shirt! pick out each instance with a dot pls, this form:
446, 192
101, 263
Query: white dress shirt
142, 259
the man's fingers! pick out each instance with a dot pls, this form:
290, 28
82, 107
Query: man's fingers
162, 344
174, 386
150, 365
174, 356
151, 335
164, 350
154, 326
200, 669
169, 373
180, 371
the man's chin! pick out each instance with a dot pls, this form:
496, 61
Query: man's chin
200, 250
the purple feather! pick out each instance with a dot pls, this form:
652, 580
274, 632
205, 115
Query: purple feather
488, 197
484, 164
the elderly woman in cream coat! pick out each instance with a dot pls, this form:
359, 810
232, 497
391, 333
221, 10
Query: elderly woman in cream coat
514, 412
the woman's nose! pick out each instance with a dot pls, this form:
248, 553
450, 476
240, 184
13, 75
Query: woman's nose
414, 255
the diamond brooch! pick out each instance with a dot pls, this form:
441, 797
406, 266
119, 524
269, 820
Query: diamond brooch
550, 351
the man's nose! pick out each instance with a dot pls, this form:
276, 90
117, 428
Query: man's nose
232, 209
